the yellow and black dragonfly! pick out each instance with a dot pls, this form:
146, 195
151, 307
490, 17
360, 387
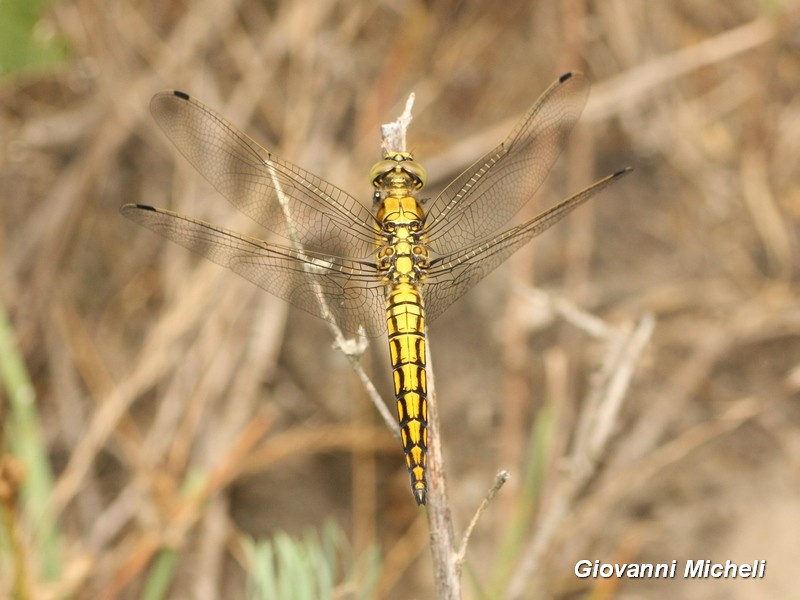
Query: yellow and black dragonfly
389, 269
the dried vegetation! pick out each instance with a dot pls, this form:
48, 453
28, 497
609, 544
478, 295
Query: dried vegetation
182, 407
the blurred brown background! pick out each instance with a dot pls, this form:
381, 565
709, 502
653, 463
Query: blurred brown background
153, 369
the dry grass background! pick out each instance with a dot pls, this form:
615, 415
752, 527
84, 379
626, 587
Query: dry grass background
156, 373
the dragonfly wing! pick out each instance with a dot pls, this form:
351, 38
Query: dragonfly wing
452, 275
282, 197
339, 290
485, 196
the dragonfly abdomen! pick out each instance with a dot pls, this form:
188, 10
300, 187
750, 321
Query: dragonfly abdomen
405, 319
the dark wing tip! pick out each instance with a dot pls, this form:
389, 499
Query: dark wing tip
181, 95
622, 172
565, 76
126, 208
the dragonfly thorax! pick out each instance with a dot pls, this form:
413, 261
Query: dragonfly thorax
401, 246
400, 217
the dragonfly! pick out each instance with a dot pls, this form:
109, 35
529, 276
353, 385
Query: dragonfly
384, 271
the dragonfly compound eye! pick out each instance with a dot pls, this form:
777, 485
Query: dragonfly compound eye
417, 173
398, 170
379, 172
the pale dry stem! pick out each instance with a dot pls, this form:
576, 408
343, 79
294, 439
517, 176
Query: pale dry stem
595, 428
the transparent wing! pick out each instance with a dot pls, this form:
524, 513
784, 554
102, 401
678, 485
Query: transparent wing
282, 197
485, 196
339, 290
452, 275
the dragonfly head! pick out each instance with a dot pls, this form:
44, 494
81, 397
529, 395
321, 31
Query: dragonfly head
398, 173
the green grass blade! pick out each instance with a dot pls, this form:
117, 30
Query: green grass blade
313, 567
24, 439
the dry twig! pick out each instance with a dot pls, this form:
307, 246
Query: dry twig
594, 432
